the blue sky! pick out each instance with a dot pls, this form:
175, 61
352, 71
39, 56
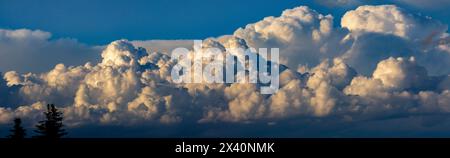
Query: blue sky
100, 22
384, 72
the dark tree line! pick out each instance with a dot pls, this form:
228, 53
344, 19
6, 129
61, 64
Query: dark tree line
51, 128
18, 132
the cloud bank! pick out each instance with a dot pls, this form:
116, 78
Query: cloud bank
382, 63
26, 50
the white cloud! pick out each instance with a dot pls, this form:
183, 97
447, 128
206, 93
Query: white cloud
391, 75
387, 31
303, 36
398, 85
377, 66
390, 19
163, 46
368, 34
401, 73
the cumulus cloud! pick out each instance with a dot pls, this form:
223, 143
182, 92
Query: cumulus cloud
368, 34
420, 4
387, 31
390, 19
398, 86
392, 75
104, 89
378, 65
303, 36
163, 46
401, 73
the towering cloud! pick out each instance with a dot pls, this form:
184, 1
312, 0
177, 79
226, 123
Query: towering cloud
163, 46
387, 31
304, 36
390, 19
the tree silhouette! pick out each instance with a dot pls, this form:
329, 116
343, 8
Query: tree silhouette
52, 127
18, 132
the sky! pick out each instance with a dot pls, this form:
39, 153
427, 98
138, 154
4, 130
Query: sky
99, 22
350, 68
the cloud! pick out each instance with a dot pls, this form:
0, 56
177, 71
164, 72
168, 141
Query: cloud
398, 86
390, 19
420, 4
163, 46
401, 74
26, 50
392, 75
304, 36
377, 66
384, 31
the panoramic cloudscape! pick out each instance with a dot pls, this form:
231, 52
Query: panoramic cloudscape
375, 68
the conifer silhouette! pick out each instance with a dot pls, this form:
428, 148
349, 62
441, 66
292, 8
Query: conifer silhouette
17, 132
52, 127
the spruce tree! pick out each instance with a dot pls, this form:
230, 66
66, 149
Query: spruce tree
17, 132
52, 127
